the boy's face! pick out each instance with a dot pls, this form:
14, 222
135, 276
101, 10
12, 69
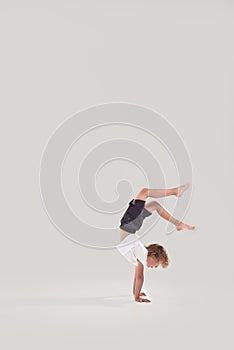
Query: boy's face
152, 262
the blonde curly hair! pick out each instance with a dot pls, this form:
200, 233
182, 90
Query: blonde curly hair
159, 252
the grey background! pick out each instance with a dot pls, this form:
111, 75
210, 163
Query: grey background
60, 57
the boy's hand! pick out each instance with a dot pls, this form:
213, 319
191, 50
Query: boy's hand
142, 300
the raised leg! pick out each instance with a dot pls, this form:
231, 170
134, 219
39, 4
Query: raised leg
154, 205
144, 193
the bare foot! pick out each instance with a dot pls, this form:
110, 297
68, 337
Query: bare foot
181, 189
142, 294
183, 226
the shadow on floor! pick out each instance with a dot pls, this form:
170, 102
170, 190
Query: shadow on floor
109, 301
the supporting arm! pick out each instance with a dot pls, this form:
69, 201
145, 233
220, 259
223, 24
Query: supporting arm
138, 279
138, 286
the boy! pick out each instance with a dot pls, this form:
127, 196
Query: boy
130, 246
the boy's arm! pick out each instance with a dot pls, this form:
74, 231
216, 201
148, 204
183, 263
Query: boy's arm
134, 285
138, 278
138, 282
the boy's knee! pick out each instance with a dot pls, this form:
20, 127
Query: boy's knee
156, 204
158, 207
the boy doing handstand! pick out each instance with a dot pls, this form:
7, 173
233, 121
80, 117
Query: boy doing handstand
153, 255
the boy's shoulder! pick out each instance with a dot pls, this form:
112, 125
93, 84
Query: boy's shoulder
141, 253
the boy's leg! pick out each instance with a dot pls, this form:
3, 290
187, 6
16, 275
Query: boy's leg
144, 193
153, 205
156, 206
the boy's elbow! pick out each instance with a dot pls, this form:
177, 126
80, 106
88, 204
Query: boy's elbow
140, 277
